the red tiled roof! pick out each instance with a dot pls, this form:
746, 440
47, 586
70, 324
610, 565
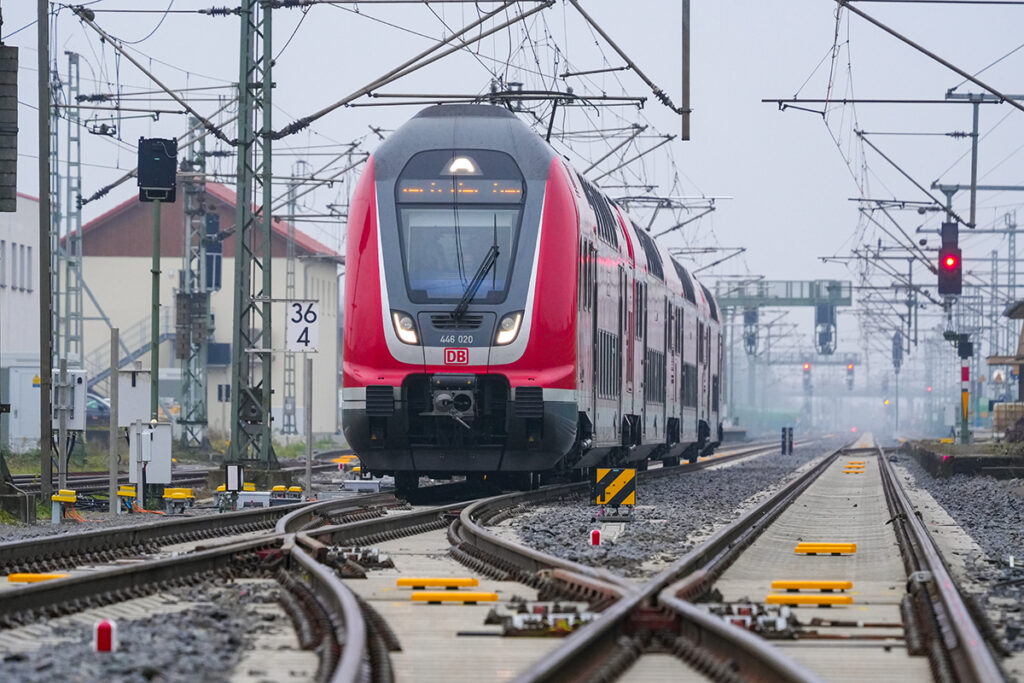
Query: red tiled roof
222, 192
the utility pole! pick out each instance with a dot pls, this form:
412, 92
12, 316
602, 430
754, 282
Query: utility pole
74, 347
251, 351
45, 302
192, 310
154, 343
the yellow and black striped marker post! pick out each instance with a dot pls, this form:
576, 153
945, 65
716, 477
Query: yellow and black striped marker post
614, 486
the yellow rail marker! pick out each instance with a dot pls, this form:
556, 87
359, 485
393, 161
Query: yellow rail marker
451, 583
812, 585
178, 493
437, 597
33, 578
825, 548
64, 496
344, 459
853, 471
126, 491
856, 462
817, 600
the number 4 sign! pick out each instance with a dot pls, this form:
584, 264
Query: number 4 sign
303, 329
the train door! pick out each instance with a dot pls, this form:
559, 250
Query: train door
593, 306
585, 333
625, 399
666, 348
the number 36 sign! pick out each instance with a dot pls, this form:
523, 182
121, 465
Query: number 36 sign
303, 329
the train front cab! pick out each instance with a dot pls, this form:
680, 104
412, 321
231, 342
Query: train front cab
438, 382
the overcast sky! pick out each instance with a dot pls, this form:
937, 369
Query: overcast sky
784, 171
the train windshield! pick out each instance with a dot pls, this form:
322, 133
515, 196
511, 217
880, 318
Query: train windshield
454, 207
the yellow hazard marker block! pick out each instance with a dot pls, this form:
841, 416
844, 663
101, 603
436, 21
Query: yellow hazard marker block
437, 597
856, 462
853, 471
614, 486
344, 459
125, 491
451, 582
33, 578
178, 494
813, 600
812, 585
825, 548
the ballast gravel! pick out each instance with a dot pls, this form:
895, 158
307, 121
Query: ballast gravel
93, 521
202, 643
673, 514
991, 511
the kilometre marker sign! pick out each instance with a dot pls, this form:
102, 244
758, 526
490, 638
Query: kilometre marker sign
303, 330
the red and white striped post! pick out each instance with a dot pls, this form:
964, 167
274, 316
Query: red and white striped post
965, 391
104, 636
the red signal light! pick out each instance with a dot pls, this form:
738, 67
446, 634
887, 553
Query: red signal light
950, 261
807, 366
929, 388
850, 366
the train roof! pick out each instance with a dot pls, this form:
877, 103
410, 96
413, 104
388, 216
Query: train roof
465, 126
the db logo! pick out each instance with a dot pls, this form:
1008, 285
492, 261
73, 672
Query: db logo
456, 356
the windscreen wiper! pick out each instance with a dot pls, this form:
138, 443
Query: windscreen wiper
490, 259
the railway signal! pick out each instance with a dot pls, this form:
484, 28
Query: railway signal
950, 270
849, 376
807, 376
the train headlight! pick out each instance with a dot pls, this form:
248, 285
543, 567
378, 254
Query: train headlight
405, 327
508, 328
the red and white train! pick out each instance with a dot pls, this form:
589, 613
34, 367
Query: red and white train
502, 315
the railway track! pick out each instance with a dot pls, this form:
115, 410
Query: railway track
98, 482
928, 626
339, 620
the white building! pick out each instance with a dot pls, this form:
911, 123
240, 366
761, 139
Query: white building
116, 263
19, 324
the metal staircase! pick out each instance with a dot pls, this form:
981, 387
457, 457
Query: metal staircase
136, 339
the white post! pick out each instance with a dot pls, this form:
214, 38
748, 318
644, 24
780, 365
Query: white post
308, 382
115, 503
63, 401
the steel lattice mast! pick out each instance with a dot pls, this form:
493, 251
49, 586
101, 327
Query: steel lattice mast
71, 254
193, 305
251, 341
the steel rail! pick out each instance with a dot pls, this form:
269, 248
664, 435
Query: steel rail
67, 550
75, 593
582, 655
957, 633
345, 615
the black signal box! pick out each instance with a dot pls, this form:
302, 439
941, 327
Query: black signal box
157, 170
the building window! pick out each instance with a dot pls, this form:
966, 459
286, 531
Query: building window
3, 264
14, 265
28, 270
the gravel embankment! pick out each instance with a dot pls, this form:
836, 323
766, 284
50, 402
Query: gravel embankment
991, 511
202, 643
673, 515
